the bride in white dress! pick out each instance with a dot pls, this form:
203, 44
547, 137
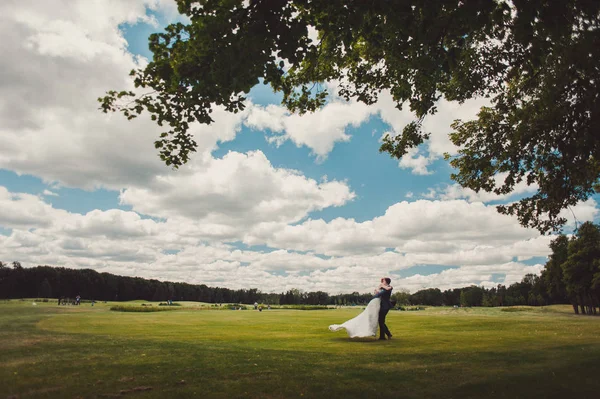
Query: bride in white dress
366, 323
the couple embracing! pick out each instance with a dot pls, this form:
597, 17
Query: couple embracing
366, 323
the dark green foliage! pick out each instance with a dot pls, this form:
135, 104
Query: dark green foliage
68, 283
573, 270
45, 290
553, 272
401, 296
530, 291
581, 270
429, 296
535, 59
471, 296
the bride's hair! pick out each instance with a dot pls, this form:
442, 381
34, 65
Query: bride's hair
388, 280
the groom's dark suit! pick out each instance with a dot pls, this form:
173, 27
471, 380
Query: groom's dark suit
385, 307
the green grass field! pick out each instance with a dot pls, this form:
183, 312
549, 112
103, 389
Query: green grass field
85, 351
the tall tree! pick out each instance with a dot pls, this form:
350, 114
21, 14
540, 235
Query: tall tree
553, 273
472, 296
535, 59
582, 264
401, 296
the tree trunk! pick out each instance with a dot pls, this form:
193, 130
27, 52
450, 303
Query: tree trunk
575, 308
581, 304
594, 299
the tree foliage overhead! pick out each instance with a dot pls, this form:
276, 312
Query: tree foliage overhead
536, 60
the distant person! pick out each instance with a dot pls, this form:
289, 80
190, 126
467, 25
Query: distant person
269, 307
255, 305
77, 300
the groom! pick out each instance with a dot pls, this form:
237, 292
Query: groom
385, 295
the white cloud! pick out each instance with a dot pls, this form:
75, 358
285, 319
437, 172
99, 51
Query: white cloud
24, 210
49, 193
455, 191
416, 162
239, 190
429, 221
424, 232
319, 131
49, 117
582, 212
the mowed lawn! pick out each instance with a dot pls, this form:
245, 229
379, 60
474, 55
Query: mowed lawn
85, 351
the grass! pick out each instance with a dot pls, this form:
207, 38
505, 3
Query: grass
83, 351
125, 308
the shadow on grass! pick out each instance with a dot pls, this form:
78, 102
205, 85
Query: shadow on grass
355, 340
575, 379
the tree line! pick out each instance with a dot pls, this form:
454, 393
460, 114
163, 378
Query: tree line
571, 275
59, 282
530, 291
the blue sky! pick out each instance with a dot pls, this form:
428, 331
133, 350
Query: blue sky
271, 200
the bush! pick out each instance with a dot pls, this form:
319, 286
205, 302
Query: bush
143, 308
166, 304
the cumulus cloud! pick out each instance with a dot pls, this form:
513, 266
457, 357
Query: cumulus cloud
239, 189
59, 57
416, 162
319, 130
338, 256
432, 222
25, 210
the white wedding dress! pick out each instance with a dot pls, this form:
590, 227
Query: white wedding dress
363, 325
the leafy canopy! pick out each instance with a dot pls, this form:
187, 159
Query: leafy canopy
536, 60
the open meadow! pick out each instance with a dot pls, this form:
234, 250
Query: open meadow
85, 351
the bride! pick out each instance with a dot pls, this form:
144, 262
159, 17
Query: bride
365, 324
